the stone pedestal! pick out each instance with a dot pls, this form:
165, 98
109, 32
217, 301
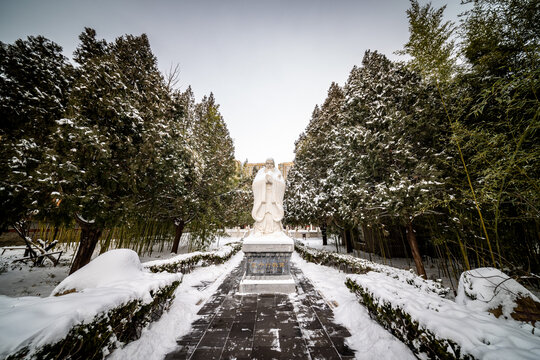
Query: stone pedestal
267, 264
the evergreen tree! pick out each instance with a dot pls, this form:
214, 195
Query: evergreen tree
107, 144
400, 130
209, 192
89, 47
239, 201
372, 153
35, 82
215, 150
308, 198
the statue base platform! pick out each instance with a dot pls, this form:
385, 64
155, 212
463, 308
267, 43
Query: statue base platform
267, 264
283, 284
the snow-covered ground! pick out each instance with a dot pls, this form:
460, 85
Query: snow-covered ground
20, 279
434, 269
466, 323
478, 333
107, 282
160, 337
111, 280
368, 338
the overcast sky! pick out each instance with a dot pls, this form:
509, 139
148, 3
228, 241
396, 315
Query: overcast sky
268, 63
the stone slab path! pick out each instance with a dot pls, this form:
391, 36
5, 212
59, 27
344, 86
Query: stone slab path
264, 326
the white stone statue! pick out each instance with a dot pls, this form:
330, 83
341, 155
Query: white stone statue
268, 191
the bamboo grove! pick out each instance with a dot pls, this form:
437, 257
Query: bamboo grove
440, 152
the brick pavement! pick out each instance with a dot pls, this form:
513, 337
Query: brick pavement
264, 326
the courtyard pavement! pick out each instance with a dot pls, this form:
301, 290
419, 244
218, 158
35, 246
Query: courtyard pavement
264, 326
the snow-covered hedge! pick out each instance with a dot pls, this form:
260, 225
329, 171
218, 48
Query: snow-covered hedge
184, 263
106, 303
434, 327
103, 305
351, 264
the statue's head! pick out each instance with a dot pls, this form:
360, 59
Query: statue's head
270, 164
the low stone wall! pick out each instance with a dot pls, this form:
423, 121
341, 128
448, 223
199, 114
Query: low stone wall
300, 234
295, 234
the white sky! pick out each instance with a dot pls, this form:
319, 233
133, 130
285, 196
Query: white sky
268, 63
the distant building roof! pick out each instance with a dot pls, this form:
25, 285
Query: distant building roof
252, 168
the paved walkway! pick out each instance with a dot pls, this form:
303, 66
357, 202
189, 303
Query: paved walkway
264, 326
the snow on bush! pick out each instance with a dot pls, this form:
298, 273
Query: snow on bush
491, 290
357, 265
109, 282
184, 262
440, 328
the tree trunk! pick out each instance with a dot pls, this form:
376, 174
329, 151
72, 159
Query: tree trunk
348, 240
323, 233
411, 237
179, 227
90, 234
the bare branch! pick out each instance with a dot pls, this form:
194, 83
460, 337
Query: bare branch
172, 76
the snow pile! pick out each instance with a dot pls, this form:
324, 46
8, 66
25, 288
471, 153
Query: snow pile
178, 263
110, 281
490, 290
107, 269
427, 321
358, 265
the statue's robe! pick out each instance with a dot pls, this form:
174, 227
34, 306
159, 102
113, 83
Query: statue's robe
268, 201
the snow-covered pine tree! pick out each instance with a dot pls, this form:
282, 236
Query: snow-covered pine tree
107, 142
35, 81
170, 189
239, 201
90, 47
214, 149
299, 201
310, 198
398, 124
212, 176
